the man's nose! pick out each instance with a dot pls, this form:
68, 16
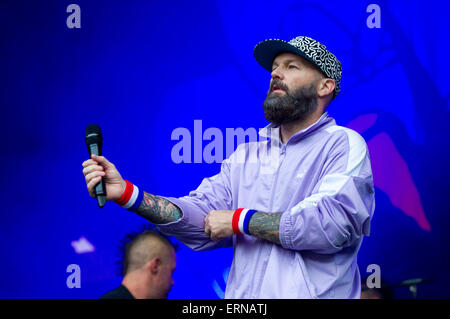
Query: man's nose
277, 74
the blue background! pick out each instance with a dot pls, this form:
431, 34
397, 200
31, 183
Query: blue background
141, 69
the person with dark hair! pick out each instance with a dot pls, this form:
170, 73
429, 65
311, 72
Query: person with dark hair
294, 206
148, 264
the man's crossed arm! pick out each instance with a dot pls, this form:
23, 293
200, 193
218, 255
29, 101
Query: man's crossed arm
159, 210
218, 225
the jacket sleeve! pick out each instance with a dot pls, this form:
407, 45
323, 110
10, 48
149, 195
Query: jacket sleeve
339, 210
214, 193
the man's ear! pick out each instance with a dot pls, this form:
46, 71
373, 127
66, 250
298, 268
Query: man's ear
326, 86
153, 265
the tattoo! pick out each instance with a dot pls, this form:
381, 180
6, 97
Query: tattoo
158, 210
265, 226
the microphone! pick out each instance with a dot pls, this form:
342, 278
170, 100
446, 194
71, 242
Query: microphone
94, 143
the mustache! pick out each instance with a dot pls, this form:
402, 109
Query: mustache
279, 84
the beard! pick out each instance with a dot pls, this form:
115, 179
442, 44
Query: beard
291, 106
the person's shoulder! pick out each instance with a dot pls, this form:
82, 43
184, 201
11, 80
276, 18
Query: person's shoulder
120, 292
344, 135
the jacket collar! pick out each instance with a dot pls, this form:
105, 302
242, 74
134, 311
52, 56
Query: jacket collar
272, 131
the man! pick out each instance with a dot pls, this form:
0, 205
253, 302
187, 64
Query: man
307, 191
148, 264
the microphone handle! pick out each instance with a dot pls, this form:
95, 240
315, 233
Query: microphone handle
100, 189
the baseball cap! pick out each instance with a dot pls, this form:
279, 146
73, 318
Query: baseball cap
308, 48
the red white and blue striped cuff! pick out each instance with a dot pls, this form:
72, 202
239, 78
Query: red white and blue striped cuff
241, 220
131, 197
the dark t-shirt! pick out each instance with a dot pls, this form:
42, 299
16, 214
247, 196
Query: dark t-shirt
120, 292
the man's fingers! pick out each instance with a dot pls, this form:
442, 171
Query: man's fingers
89, 162
92, 168
207, 228
91, 192
215, 237
94, 175
102, 160
93, 181
92, 184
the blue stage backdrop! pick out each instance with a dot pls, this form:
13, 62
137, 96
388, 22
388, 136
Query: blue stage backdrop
158, 76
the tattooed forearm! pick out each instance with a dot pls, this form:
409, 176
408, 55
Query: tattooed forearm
265, 226
158, 210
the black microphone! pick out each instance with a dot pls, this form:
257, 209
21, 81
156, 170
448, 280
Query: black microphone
94, 143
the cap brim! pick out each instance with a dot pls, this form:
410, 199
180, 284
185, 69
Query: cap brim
266, 51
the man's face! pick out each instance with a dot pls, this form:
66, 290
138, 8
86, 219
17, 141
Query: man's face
292, 94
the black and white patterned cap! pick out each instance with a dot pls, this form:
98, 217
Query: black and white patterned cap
310, 49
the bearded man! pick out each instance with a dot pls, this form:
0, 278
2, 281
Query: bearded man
295, 207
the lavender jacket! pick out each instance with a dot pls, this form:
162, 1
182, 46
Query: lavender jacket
321, 182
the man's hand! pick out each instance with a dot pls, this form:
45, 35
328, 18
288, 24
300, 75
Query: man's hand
98, 167
218, 224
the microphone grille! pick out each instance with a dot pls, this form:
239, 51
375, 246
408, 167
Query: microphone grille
93, 130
